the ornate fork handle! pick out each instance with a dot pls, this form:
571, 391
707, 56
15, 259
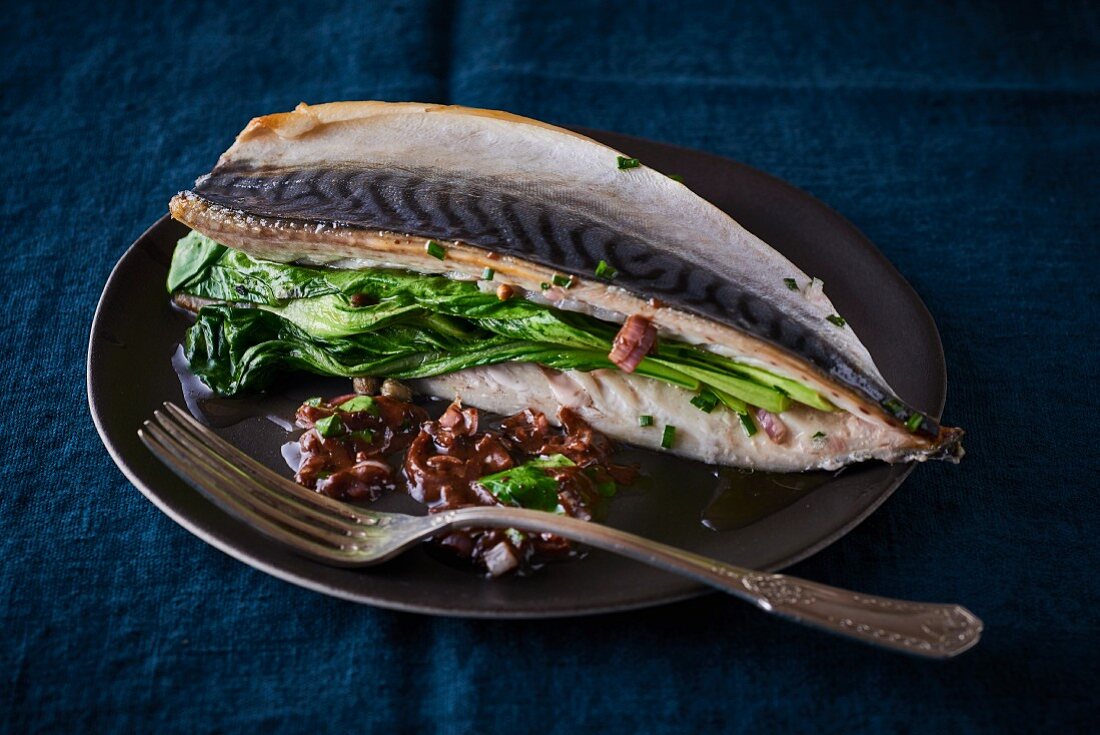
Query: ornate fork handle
924, 629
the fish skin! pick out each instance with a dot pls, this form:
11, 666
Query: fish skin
719, 284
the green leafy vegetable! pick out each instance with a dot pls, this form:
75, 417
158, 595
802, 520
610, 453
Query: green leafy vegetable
836, 319
606, 488
487, 274
625, 162
791, 284
272, 317
528, 485
747, 424
645, 420
192, 257
313, 402
914, 422
330, 426
676, 177
360, 403
563, 281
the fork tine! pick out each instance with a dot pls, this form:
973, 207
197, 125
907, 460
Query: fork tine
210, 486
246, 490
270, 480
240, 480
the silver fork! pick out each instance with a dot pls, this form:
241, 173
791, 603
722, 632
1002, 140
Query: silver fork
351, 536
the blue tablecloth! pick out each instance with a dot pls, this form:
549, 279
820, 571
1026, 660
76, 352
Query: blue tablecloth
963, 139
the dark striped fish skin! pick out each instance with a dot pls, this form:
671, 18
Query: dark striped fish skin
551, 228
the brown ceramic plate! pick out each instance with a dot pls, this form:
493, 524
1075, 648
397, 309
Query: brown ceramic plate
130, 373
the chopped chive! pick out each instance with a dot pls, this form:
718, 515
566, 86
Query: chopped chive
668, 436
791, 284
818, 436
330, 426
645, 420
836, 319
625, 162
435, 250
705, 401
676, 177
487, 274
894, 406
563, 281
605, 271
747, 424
914, 422
313, 402
544, 286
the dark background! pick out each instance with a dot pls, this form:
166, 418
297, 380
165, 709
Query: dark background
963, 139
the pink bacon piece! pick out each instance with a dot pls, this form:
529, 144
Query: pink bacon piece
633, 342
772, 425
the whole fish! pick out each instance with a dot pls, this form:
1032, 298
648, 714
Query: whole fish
531, 211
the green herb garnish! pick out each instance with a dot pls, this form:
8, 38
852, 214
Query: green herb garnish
606, 488
313, 402
668, 436
605, 271
528, 485
364, 435
563, 281
435, 250
544, 286
914, 422
747, 424
676, 177
818, 436
791, 284
487, 274
894, 406
836, 319
645, 420
705, 401
625, 162
330, 426
360, 403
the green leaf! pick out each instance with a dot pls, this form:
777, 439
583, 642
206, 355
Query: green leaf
360, 403
330, 426
193, 255
528, 485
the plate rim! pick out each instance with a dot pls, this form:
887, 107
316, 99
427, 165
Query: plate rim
255, 561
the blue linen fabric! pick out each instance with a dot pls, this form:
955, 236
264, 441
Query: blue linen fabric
963, 138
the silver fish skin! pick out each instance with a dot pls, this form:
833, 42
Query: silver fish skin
365, 184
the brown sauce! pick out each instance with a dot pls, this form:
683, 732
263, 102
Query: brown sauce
744, 497
444, 462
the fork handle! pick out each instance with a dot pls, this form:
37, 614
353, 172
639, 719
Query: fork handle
923, 629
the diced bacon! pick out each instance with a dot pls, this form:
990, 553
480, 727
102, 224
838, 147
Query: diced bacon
633, 342
772, 425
